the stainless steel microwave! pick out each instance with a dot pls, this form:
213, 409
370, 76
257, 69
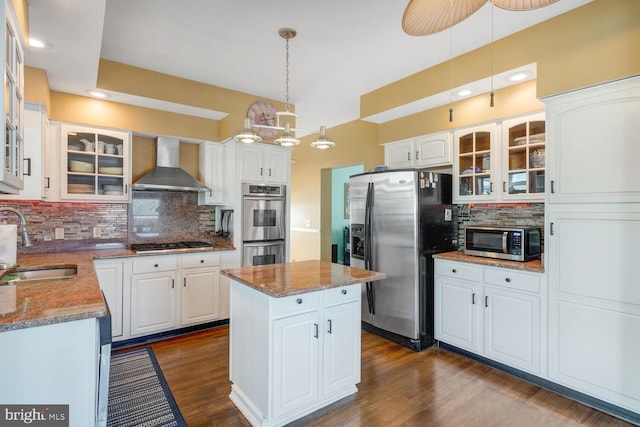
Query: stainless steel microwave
514, 244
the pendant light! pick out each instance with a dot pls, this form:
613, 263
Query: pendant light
285, 120
247, 136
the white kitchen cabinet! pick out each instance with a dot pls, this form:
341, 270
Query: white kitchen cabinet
110, 278
476, 156
153, 294
493, 312
523, 158
12, 109
94, 164
212, 174
594, 301
420, 152
293, 355
52, 364
264, 163
36, 135
200, 292
592, 150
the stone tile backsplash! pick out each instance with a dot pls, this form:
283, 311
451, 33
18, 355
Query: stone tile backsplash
502, 214
175, 216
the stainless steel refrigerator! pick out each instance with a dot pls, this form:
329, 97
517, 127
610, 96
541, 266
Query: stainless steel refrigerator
398, 220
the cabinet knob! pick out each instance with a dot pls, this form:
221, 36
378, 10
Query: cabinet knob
453, 270
299, 300
201, 261
508, 280
344, 292
155, 265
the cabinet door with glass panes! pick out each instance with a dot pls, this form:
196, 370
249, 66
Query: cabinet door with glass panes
523, 144
475, 164
94, 164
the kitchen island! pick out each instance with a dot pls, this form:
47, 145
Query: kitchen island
294, 338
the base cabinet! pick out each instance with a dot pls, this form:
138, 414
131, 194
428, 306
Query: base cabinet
150, 294
291, 356
110, 277
493, 312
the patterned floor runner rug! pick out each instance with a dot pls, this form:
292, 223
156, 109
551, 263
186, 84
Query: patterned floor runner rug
138, 392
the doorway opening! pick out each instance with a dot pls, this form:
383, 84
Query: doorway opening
334, 206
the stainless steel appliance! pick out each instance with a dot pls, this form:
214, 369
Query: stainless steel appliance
168, 247
263, 224
399, 219
510, 243
104, 366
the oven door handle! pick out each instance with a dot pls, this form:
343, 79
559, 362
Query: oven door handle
264, 198
262, 244
505, 237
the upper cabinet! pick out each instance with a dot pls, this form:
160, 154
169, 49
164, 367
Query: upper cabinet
264, 163
501, 162
12, 50
421, 152
95, 164
523, 160
593, 146
475, 164
212, 166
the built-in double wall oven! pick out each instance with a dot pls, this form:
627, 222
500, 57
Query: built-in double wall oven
263, 224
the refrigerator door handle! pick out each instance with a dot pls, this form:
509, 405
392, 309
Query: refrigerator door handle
367, 228
373, 298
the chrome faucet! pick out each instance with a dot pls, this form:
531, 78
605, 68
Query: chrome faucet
26, 242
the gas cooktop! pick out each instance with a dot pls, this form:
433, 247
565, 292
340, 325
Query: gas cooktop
168, 247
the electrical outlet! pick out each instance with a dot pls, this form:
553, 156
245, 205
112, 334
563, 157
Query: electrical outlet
447, 214
59, 233
307, 223
97, 232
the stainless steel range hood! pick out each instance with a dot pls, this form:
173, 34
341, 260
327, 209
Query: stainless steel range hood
167, 175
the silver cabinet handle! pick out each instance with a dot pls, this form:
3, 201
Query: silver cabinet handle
329, 331
28, 160
486, 301
344, 292
173, 283
551, 229
315, 333
508, 280
269, 171
504, 186
185, 282
408, 155
261, 172
473, 298
299, 300
552, 187
417, 157
453, 270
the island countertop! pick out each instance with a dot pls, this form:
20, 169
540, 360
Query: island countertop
280, 280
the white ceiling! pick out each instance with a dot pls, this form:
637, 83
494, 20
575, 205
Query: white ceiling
343, 48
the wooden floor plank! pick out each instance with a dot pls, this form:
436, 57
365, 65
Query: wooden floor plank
399, 387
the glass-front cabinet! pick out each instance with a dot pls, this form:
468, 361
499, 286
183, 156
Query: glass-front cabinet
11, 167
94, 164
475, 161
523, 161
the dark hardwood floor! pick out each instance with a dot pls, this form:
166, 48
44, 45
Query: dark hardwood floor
399, 388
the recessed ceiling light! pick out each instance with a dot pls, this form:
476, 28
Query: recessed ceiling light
518, 76
38, 44
97, 94
464, 92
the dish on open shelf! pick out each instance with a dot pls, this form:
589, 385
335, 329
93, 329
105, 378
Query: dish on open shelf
110, 170
78, 166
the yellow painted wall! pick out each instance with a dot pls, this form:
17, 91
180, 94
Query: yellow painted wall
21, 7
36, 87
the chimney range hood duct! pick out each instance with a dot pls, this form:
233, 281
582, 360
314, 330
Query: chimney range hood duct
167, 175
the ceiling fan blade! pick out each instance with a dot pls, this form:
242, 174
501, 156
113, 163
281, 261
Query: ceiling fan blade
424, 17
522, 4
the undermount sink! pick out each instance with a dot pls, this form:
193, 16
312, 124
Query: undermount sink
38, 274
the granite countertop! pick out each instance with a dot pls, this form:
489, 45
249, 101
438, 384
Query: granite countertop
27, 305
534, 266
280, 280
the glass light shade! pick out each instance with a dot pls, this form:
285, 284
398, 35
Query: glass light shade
322, 143
287, 140
247, 136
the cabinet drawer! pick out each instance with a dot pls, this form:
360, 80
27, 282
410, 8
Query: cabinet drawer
458, 270
296, 303
342, 294
151, 264
512, 279
201, 259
